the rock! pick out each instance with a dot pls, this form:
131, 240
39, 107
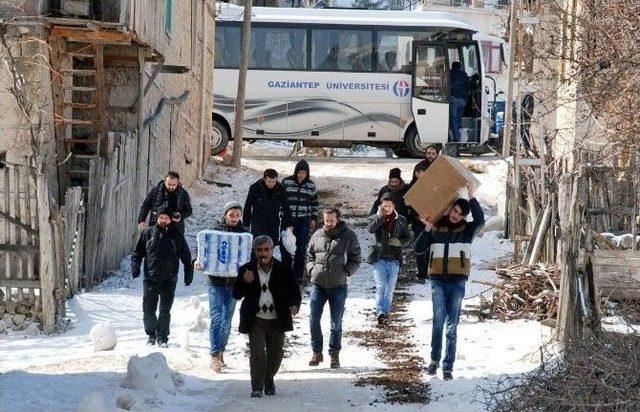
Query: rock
492, 224
3, 326
93, 402
8, 320
11, 307
1, 295
103, 336
550, 322
37, 315
626, 241
32, 330
19, 319
131, 403
150, 372
477, 167
3, 310
23, 309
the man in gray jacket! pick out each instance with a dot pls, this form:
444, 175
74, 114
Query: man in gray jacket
333, 255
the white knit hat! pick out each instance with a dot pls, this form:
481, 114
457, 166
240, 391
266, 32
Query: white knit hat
232, 205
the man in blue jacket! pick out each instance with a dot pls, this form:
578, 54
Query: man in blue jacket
460, 85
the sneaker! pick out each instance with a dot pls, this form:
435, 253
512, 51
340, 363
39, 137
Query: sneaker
256, 394
381, 319
269, 388
163, 344
432, 368
216, 363
447, 375
151, 341
335, 359
316, 359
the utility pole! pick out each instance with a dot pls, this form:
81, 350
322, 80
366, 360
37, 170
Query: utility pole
514, 24
238, 124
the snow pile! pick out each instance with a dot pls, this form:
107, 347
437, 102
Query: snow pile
93, 402
197, 313
150, 372
103, 336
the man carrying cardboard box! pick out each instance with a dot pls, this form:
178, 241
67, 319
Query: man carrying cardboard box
449, 246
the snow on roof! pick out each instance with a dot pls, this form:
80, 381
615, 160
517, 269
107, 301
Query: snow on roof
354, 17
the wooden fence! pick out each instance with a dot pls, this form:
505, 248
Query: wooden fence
112, 208
19, 269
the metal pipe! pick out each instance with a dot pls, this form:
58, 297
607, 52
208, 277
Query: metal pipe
201, 158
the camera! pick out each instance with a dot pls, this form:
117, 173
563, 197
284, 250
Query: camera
176, 216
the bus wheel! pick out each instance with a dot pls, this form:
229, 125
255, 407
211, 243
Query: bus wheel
219, 137
412, 143
451, 150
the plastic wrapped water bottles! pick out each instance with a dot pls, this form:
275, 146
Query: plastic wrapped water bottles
221, 253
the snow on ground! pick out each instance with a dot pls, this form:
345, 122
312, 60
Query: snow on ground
54, 373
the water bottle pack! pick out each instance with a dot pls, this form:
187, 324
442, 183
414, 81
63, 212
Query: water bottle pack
221, 253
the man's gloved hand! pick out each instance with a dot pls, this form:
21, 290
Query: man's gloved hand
188, 278
394, 241
135, 274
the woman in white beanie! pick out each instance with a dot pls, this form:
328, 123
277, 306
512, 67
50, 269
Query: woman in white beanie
221, 302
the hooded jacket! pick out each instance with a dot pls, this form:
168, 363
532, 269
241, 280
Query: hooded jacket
162, 249
283, 287
264, 208
400, 231
450, 246
303, 197
158, 198
398, 195
333, 255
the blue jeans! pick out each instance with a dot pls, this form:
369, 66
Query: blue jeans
386, 273
447, 301
221, 307
337, 298
456, 110
301, 229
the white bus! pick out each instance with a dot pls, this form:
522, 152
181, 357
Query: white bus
336, 77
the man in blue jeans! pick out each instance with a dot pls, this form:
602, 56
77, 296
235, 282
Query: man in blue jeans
391, 231
460, 85
333, 256
449, 246
222, 304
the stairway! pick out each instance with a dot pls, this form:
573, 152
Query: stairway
79, 112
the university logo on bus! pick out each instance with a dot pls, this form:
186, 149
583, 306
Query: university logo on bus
401, 88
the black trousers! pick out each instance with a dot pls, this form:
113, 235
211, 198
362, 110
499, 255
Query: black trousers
158, 292
266, 342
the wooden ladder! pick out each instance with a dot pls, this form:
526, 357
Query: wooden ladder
79, 109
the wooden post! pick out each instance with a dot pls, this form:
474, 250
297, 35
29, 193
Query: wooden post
242, 79
47, 260
513, 27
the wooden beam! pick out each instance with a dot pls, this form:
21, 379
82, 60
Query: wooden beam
18, 248
82, 35
19, 283
18, 223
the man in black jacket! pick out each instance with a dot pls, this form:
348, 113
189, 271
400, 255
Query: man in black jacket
266, 204
398, 188
431, 153
162, 247
271, 299
170, 195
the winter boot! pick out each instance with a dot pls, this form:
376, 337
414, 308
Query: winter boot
151, 341
335, 359
447, 375
382, 319
316, 359
216, 363
256, 394
163, 343
432, 368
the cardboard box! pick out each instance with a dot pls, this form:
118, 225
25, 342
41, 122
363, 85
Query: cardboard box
434, 192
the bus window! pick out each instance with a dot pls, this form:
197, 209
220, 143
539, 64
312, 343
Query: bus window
470, 57
431, 74
394, 49
227, 47
342, 50
278, 48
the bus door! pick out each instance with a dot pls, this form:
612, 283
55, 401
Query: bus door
430, 94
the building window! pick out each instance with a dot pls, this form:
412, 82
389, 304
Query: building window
168, 16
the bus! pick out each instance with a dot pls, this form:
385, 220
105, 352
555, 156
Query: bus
338, 77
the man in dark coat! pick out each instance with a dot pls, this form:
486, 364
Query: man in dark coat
333, 256
266, 209
170, 195
303, 201
413, 218
271, 299
392, 232
397, 187
162, 247
431, 153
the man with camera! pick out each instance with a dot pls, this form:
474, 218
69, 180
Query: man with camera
169, 195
